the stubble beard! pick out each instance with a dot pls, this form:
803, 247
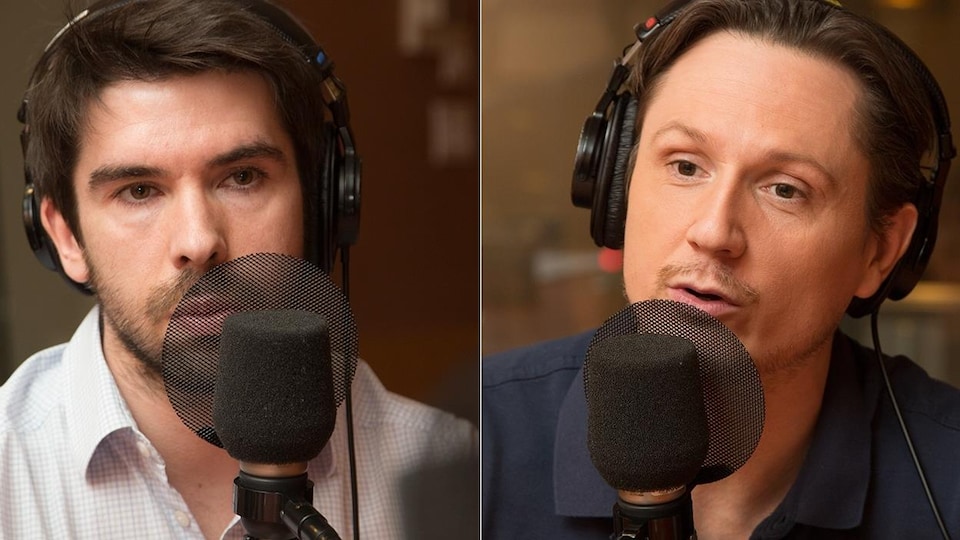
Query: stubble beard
136, 327
784, 364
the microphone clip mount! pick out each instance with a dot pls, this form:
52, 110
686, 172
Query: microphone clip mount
279, 508
671, 520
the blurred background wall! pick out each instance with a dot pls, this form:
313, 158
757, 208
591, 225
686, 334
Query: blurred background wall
544, 65
410, 67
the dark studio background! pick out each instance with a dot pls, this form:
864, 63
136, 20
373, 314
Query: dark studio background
544, 67
410, 67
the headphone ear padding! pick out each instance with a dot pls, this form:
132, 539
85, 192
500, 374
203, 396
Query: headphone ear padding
610, 199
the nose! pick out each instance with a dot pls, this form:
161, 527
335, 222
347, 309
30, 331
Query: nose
197, 238
718, 220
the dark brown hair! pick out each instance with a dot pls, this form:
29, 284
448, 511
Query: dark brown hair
893, 122
151, 40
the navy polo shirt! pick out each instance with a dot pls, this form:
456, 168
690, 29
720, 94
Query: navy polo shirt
857, 479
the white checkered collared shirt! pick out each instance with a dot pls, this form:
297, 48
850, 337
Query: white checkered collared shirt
74, 465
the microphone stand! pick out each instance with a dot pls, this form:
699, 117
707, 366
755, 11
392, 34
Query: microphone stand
660, 516
276, 507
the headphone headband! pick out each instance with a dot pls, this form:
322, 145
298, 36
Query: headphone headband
608, 135
338, 183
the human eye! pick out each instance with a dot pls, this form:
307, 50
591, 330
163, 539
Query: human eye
686, 169
246, 177
787, 191
136, 194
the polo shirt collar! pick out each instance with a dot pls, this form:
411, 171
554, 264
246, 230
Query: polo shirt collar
832, 486
579, 490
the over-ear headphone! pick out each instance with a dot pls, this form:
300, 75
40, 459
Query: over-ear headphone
608, 136
338, 185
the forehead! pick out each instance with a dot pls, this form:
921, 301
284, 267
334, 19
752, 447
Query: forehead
738, 86
726, 62
194, 95
180, 117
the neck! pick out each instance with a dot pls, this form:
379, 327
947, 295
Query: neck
734, 506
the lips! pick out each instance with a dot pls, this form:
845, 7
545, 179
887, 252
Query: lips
705, 290
201, 315
708, 286
710, 302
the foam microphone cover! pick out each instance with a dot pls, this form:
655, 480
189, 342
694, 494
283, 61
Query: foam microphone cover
273, 402
646, 424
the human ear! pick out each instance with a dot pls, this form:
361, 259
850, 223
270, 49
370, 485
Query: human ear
887, 249
68, 248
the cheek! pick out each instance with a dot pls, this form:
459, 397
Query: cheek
647, 240
279, 228
815, 275
109, 245
635, 280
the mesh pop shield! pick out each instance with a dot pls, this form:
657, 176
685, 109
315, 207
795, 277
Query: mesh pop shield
732, 393
257, 282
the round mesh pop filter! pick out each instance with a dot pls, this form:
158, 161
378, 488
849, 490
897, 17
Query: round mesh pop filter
732, 393
257, 282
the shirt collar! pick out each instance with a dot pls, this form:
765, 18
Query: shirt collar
96, 411
579, 490
831, 488
94, 407
838, 461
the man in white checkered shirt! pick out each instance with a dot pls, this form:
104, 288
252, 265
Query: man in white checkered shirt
166, 137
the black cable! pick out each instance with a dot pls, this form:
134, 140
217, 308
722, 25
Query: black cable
903, 425
348, 403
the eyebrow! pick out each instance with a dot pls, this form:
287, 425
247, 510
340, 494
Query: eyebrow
694, 134
256, 150
780, 156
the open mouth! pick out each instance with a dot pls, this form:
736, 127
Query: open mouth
704, 296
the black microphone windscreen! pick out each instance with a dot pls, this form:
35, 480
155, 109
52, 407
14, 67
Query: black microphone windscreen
273, 401
646, 425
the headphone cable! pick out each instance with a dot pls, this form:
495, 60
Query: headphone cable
348, 403
903, 425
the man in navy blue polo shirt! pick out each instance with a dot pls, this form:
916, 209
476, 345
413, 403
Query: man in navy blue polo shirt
770, 171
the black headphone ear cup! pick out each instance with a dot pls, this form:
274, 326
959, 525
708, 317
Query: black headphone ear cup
608, 216
338, 197
40, 243
325, 229
348, 199
587, 160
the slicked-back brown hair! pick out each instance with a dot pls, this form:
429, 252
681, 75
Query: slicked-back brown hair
893, 120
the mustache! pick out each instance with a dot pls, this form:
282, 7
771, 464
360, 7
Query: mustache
732, 285
164, 298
